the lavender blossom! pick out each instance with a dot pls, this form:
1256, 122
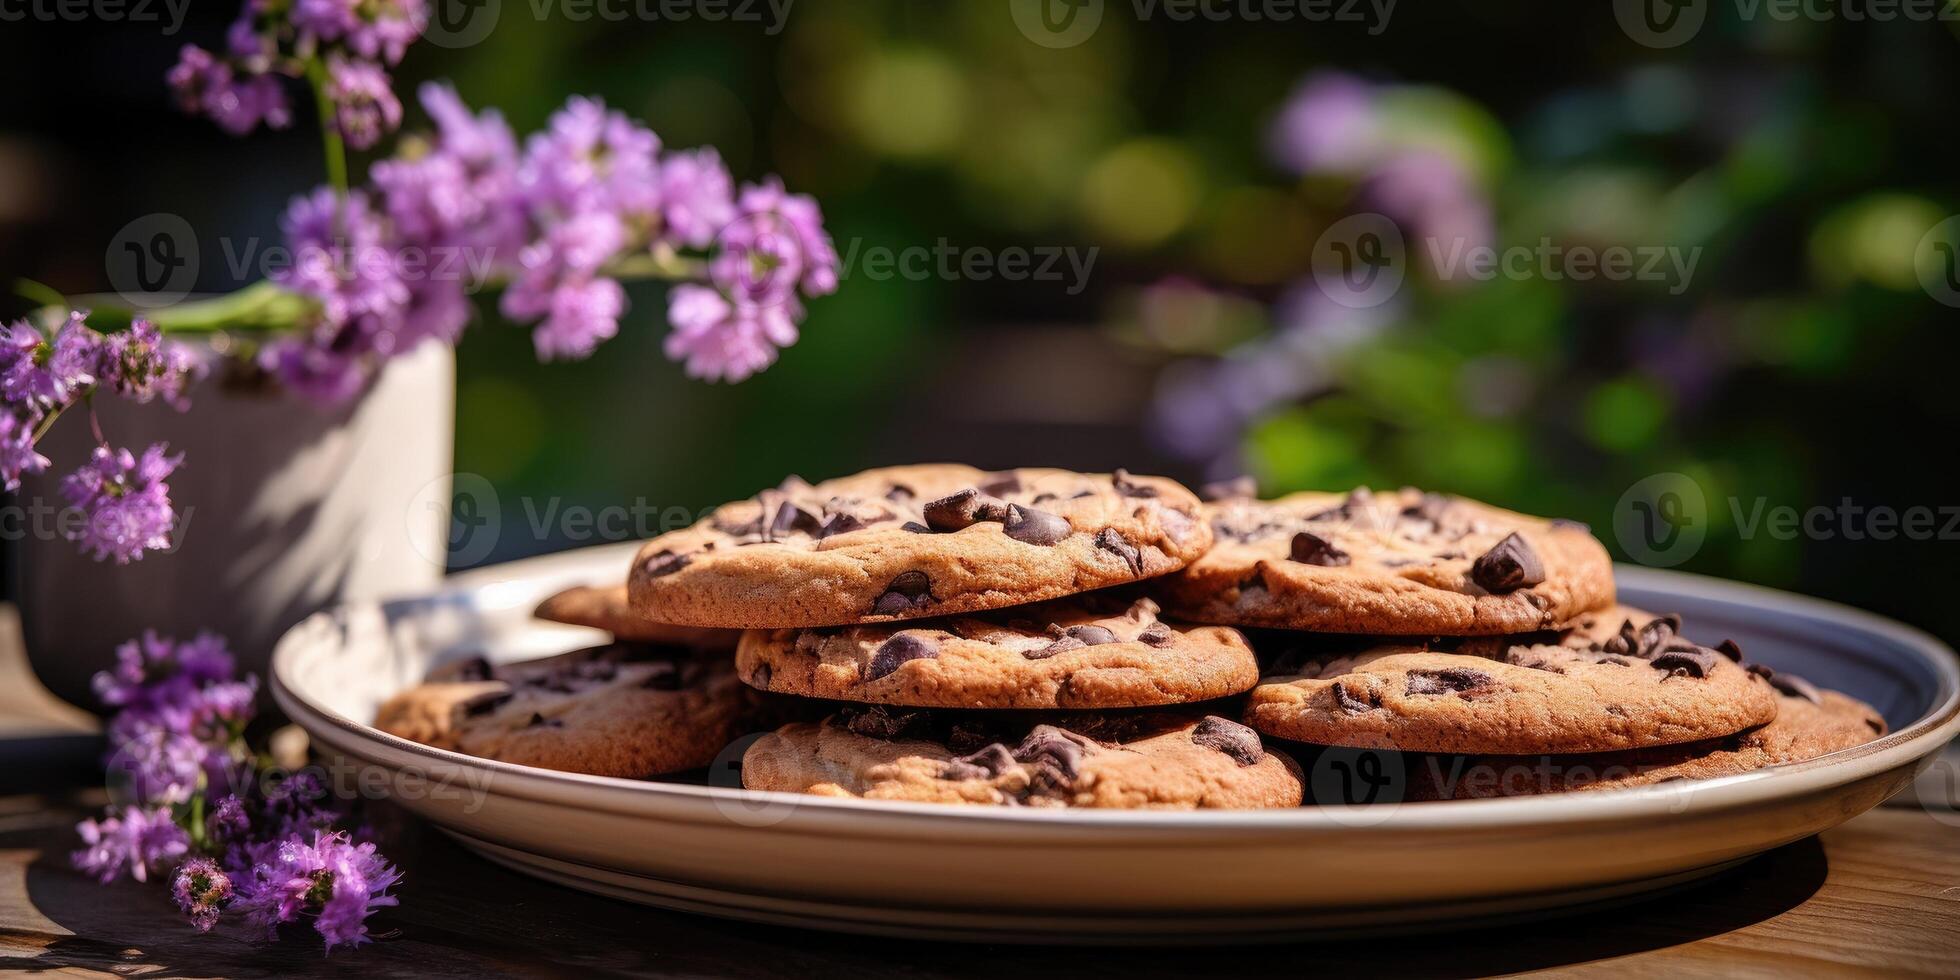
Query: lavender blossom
17, 455
238, 103
125, 502
44, 372
373, 29
1331, 123
719, 339
697, 197
365, 107
801, 220
140, 365
591, 159
136, 842
201, 890
339, 882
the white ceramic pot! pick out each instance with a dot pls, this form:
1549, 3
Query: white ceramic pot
283, 509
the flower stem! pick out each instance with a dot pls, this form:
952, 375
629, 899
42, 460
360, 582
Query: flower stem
331, 143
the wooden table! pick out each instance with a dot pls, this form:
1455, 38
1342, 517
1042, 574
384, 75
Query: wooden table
1880, 894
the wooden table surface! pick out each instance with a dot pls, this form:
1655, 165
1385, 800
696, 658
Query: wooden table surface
1879, 895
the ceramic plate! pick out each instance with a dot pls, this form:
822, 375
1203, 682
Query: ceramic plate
1099, 876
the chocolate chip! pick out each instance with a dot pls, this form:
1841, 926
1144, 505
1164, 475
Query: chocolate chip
1312, 549
1351, 704
1448, 680
1730, 649
1614, 661
1694, 663
1092, 635
878, 721
1001, 483
987, 762
1108, 540
962, 509
1507, 567
662, 563
899, 493
1236, 488
907, 591
461, 671
902, 647
1659, 634
483, 704
839, 524
915, 527
1789, 684
1030, 526
1157, 635
1433, 507
790, 518
1048, 745
1229, 737
1128, 487
759, 677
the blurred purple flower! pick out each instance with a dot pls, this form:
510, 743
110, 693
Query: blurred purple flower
17, 455
696, 196
590, 159
720, 340
1330, 123
201, 890
44, 372
154, 766
1432, 195
339, 882
580, 315
136, 842
365, 107
124, 501
238, 104
140, 365
373, 29
800, 221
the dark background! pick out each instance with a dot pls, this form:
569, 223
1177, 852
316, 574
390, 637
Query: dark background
1803, 365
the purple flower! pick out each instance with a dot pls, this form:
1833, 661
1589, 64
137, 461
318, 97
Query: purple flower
140, 365
365, 107
723, 340
17, 455
799, 224
154, 766
238, 104
591, 159
152, 670
696, 197
42, 372
125, 502
201, 890
1433, 195
581, 315
339, 882
136, 842
1330, 123
370, 28
317, 374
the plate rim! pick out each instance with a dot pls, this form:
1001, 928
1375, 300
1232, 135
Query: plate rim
1904, 747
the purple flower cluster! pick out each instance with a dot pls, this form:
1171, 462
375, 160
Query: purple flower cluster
241, 842
351, 40
393, 265
123, 497
1337, 124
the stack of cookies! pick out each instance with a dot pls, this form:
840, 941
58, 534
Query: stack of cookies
1050, 638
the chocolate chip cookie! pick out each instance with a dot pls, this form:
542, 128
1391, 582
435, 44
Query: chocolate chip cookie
1158, 761
1092, 651
913, 541
1595, 688
1809, 723
1392, 563
626, 709
606, 608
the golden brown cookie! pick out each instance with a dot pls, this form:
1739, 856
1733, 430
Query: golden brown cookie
620, 710
1093, 651
1595, 688
1154, 761
1394, 563
605, 608
913, 541
1809, 723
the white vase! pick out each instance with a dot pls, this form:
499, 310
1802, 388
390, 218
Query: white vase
283, 509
